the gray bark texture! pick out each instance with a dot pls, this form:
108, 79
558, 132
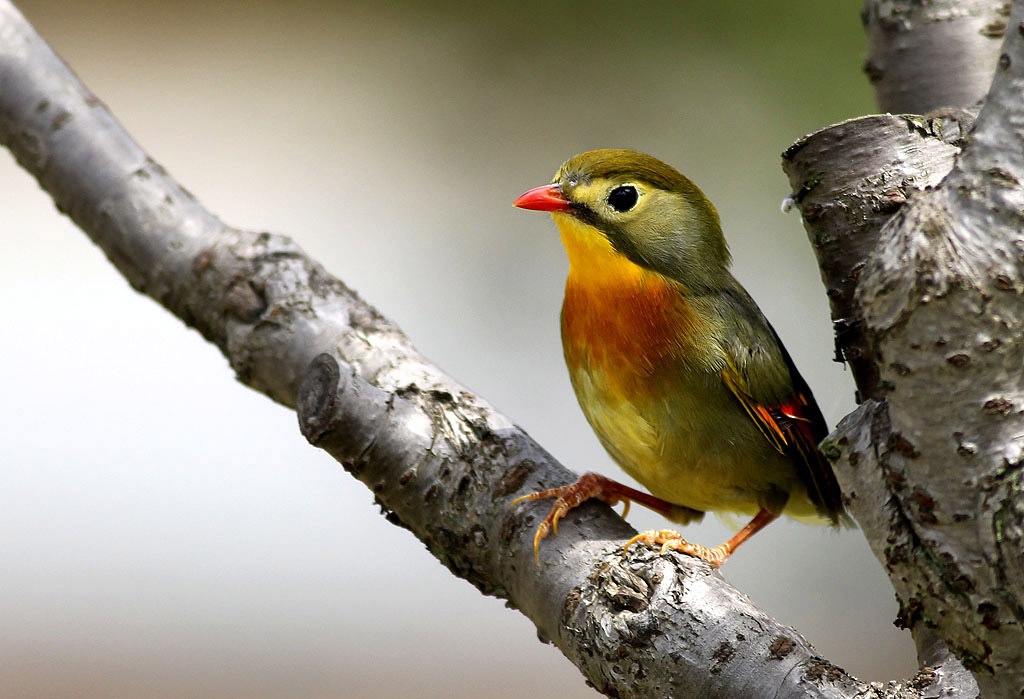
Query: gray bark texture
916, 222
445, 464
925, 55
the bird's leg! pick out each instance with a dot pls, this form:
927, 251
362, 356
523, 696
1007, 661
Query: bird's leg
590, 485
671, 539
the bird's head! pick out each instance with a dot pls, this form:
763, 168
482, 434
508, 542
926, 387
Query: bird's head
643, 209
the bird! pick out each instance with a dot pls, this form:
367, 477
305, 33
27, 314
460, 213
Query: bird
685, 382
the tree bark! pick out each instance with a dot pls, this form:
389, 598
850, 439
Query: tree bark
848, 181
923, 56
922, 254
446, 465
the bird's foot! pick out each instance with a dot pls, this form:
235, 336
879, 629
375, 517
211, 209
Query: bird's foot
590, 485
671, 539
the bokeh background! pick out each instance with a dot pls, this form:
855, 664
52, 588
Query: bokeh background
165, 531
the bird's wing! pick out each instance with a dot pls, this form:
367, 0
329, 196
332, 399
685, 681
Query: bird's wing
783, 408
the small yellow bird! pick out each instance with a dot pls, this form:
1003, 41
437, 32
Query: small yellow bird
683, 379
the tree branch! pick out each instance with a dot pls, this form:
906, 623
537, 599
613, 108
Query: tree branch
923, 56
848, 181
924, 272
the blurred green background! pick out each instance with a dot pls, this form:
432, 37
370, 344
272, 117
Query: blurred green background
166, 532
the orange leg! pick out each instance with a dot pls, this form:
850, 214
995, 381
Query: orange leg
671, 539
590, 485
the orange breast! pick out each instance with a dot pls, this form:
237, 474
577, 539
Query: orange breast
631, 328
619, 319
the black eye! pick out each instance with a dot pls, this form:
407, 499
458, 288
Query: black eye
622, 198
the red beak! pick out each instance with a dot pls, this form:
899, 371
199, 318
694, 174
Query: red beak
546, 198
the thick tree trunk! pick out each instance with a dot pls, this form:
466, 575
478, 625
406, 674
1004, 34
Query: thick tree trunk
924, 56
923, 255
445, 464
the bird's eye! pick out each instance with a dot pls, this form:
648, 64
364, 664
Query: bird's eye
622, 198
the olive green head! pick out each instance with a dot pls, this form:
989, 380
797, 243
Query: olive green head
649, 212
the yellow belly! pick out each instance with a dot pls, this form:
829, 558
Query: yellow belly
701, 453
678, 457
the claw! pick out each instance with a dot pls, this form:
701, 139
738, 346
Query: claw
654, 536
590, 485
671, 539
528, 496
566, 500
550, 523
542, 531
593, 485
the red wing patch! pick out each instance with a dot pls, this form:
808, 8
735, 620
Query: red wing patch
791, 432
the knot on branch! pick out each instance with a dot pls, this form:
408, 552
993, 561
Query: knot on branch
317, 397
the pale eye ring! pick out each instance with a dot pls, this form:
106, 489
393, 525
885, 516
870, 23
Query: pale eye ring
623, 198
